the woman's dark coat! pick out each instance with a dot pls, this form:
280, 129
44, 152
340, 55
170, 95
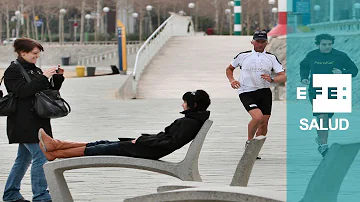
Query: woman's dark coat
23, 126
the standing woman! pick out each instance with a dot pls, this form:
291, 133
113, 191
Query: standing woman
24, 124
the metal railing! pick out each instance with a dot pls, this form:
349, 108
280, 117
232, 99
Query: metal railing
131, 49
175, 25
336, 26
73, 43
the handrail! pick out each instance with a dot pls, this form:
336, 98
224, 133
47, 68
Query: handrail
340, 25
130, 49
175, 25
147, 42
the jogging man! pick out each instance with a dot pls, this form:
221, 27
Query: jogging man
324, 60
253, 84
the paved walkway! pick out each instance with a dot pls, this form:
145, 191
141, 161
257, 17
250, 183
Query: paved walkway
97, 114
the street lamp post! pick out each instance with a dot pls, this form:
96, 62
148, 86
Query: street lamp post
317, 9
356, 10
106, 10
274, 11
87, 17
191, 6
272, 3
148, 9
135, 16
228, 13
61, 31
18, 16
231, 5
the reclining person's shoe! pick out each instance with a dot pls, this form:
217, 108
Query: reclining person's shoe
246, 144
323, 149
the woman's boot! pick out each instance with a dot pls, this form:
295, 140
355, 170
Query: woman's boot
65, 153
49, 144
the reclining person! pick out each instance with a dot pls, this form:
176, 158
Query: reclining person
174, 136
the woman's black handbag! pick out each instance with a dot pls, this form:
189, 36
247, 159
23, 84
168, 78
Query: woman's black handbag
48, 103
7, 103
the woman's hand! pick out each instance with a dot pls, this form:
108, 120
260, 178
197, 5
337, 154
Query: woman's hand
50, 72
60, 70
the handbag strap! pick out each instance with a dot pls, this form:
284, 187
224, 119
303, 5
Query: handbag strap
1, 80
23, 72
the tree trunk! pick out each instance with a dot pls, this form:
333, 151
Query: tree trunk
158, 15
140, 26
32, 29
117, 17
140, 21
42, 33
196, 16
7, 20
28, 26
1, 26
248, 25
82, 23
261, 15
48, 27
216, 5
98, 10
59, 32
222, 25
35, 27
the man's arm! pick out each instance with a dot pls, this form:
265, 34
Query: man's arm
280, 77
350, 67
304, 68
230, 75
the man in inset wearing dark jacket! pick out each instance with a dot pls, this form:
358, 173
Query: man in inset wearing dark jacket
156, 146
324, 60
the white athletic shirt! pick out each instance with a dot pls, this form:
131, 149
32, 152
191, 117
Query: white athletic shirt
252, 65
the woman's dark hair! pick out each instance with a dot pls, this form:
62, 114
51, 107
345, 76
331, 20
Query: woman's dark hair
198, 100
26, 45
320, 37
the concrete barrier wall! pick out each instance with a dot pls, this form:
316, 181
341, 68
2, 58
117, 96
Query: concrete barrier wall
52, 53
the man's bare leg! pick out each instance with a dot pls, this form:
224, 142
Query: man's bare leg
323, 134
256, 119
263, 127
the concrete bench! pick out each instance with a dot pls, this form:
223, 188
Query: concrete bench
241, 174
323, 186
212, 194
187, 169
326, 181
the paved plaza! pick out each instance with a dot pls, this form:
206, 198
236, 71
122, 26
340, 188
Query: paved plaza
98, 114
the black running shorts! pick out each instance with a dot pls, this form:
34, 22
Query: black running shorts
312, 96
261, 99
